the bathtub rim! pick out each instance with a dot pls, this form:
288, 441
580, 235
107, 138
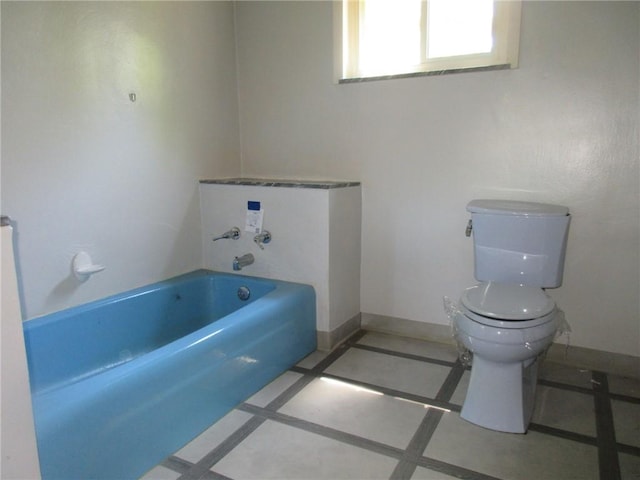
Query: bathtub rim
137, 291
113, 373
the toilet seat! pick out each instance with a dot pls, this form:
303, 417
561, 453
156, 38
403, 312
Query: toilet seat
507, 301
507, 324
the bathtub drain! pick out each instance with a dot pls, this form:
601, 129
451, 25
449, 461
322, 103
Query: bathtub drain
244, 293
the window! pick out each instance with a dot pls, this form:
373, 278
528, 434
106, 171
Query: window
383, 38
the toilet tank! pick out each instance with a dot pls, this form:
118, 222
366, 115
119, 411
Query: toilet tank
519, 242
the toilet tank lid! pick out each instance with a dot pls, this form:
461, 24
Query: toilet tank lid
514, 207
507, 301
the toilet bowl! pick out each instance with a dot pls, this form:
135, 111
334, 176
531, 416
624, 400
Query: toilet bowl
507, 327
507, 321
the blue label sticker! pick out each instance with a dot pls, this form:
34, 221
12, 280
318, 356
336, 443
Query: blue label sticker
253, 205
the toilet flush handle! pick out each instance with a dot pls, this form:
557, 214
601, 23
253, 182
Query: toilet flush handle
467, 231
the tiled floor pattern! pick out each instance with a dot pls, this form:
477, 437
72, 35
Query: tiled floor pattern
388, 407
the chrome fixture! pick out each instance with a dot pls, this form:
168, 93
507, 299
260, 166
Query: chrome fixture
262, 238
244, 293
243, 261
233, 234
469, 228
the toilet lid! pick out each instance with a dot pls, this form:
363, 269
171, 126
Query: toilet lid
507, 301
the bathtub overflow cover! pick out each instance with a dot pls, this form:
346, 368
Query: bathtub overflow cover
244, 293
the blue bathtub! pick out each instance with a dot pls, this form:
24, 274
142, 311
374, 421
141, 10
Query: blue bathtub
121, 383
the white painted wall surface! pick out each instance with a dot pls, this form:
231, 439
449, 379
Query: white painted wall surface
315, 240
19, 453
563, 128
83, 167
345, 254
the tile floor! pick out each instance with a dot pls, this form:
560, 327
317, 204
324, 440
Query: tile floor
388, 407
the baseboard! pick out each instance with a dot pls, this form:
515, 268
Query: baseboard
407, 328
327, 341
591, 359
580, 357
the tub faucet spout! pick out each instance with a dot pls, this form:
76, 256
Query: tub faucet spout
243, 261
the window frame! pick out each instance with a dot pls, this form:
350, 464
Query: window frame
506, 32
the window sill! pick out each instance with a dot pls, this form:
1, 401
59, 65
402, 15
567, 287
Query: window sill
489, 68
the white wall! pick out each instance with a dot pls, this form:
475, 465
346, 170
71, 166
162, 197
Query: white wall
83, 167
19, 457
315, 240
563, 128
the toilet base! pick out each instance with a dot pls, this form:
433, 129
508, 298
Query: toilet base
501, 395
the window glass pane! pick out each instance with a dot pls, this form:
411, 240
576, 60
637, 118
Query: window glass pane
389, 36
459, 27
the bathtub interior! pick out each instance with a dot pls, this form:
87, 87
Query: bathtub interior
71, 345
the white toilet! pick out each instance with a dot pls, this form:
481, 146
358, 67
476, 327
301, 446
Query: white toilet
507, 320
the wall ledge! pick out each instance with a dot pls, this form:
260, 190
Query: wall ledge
268, 182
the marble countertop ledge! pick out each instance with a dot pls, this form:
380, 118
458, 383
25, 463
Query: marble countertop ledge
269, 182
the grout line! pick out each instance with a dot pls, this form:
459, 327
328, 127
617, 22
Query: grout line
328, 432
565, 386
182, 466
356, 337
290, 392
588, 391
177, 464
209, 475
409, 356
309, 376
628, 449
214, 456
333, 355
453, 470
448, 388
302, 370
567, 435
624, 398
407, 465
606, 435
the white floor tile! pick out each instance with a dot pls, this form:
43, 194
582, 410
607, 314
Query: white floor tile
276, 451
624, 385
566, 410
557, 372
213, 436
626, 420
629, 466
392, 372
273, 389
410, 345
353, 410
312, 359
160, 473
507, 455
426, 474
460, 392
